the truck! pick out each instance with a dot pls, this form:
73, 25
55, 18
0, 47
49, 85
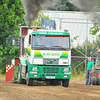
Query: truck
45, 56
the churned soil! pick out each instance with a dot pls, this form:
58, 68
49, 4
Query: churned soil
77, 90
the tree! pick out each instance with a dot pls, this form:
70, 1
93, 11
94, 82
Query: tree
64, 5
96, 18
95, 29
11, 16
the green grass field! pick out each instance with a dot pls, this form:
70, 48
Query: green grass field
78, 77
2, 76
73, 77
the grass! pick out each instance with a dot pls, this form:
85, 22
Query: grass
2, 75
73, 77
78, 77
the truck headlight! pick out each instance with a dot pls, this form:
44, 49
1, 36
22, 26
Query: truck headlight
34, 68
66, 69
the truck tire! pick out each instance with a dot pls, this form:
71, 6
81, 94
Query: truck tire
99, 81
65, 82
94, 82
20, 80
29, 81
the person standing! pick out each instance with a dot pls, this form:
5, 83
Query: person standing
90, 66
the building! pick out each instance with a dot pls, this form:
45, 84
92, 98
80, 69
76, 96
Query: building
77, 23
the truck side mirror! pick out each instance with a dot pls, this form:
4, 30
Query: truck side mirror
26, 42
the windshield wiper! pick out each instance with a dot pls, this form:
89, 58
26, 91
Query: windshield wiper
41, 46
58, 47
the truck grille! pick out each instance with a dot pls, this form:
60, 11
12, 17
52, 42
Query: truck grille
51, 61
50, 70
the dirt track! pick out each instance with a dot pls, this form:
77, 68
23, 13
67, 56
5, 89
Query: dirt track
76, 91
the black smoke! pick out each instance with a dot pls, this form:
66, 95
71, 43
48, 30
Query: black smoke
92, 6
85, 5
32, 9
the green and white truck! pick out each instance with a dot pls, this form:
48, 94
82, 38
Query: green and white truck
48, 57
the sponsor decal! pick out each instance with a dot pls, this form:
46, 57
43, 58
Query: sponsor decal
23, 71
28, 51
51, 33
37, 53
64, 54
51, 54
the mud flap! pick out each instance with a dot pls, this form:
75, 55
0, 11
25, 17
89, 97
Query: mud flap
16, 73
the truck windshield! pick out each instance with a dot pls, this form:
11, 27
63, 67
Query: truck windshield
51, 42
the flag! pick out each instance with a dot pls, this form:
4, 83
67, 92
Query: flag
48, 24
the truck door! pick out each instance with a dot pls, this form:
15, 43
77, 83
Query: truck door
29, 49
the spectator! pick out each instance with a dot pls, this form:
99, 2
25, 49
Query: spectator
90, 66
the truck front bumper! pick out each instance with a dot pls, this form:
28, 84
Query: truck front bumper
47, 72
49, 76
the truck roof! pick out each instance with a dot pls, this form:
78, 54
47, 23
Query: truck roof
51, 32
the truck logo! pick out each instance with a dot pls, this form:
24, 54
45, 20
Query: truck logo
51, 61
51, 54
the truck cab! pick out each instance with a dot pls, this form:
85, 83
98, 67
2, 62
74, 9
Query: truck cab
48, 57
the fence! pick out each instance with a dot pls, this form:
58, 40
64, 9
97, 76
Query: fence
77, 27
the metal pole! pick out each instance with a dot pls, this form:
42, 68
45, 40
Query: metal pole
60, 24
80, 52
82, 62
81, 57
86, 45
21, 46
79, 64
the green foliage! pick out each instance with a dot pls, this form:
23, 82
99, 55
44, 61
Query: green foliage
11, 16
15, 52
64, 5
76, 61
95, 29
2, 75
96, 18
1, 56
38, 22
78, 77
75, 38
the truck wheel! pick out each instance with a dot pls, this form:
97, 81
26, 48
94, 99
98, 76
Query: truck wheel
65, 82
94, 82
20, 80
99, 81
29, 81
